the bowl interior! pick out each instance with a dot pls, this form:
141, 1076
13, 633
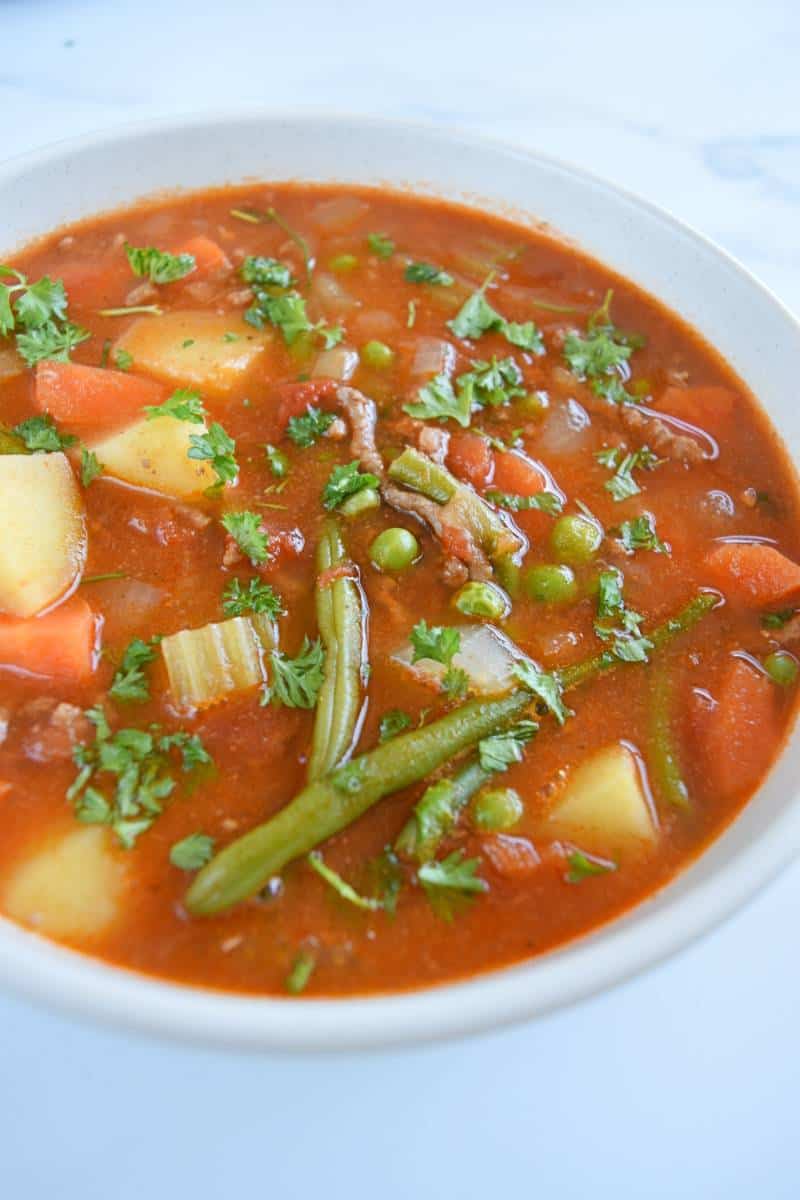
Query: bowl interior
740, 318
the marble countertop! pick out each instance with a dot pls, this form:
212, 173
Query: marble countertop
680, 1083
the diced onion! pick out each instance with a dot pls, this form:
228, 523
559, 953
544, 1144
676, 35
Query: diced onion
486, 654
341, 212
337, 363
433, 356
331, 297
206, 664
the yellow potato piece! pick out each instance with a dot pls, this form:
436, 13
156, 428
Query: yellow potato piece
195, 349
155, 454
70, 889
603, 807
42, 531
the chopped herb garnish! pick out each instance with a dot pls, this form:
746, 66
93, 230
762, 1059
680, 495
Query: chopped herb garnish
622, 485
286, 312
192, 852
36, 313
91, 466
306, 429
455, 683
392, 723
277, 460
41, 436
493, 383
617, 623
296, 681
544, 684
601, 355
302, 969
547, 502
245, 529
346, 481
436, 642
123, 361
216, 447
380, 244
476, 317
422, 272
503, 749
438, 401
341, 886
158, 265
266, 272
450, 882
640, 534
183, 405
257, 597
130, 683
584, 866
777, 620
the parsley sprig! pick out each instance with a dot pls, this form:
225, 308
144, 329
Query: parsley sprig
258, 597
183, 405
423, 272
41, 436
311, 425
130, 683
296, 681
450, 883
617, 624
192, 852
159, 266
36, 314
246, 530
346, 481
622, 484
477, 316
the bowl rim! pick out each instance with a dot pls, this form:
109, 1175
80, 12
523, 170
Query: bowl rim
88, 987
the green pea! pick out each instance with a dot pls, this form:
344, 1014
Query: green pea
534, 404
361, 502
343, 263
496, 809
378, 355
394, 549
551, 583
482, 600
782, 668
575, 539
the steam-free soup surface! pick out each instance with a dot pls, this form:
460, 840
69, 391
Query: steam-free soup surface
413, 526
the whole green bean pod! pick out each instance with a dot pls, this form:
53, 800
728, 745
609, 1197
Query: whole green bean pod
328, 805
341, 617
663, 755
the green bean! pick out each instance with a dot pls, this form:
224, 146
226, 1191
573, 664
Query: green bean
328, 805
663, 755
465, 506
438, 809
340, 616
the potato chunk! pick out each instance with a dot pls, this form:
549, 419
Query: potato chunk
42, 531
71, 888
155, 454
603, 807
196, 349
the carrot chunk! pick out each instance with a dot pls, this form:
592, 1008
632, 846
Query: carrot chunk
515, 472
753, 573
470, 458
737, 737
709, 408
209, 257
82, 398
59, 644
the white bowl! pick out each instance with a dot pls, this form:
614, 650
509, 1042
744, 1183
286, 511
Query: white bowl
735, 313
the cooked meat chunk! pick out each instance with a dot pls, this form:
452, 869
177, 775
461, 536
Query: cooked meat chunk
49, 729
660, 436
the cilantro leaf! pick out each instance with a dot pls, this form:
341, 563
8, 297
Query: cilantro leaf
380, 244
640, 534
617, 623
547, 502
476, 317
41, 436
341, 886
438, 401
245, 529
435, 814
193, 752
278, 462
159, 266
500, 751
346, 481
91, 466
439, 643
183, 405
267, 272
455, 683
215, 446
130, 682
595, 354
41, 303
123, 361
494, 382
393, 722
610, 601
584, 866
544, 684
622, 485
286, 312
331, 335
37, 314
422, 272
296, 681
452, 880
50, 341
306, 429
192, 852
302, 969
257, 597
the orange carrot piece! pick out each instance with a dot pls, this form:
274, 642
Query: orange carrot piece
84, 398
709, 408
516, 473
209, 257
737, 738
470, 458
59, 644
752, 573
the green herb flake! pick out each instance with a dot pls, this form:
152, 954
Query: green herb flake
296, 681
380, 244
476, 317
192, 852
341, 886
41, 436
265, 272
583, 866
36, 314
451, 882
245, 529
183, 405
622, 484
130, 683
302, 969
305, 430
422, 272
393, 722
546, 502
640, 534
346, 481
91, 466
436, 642
158, 266
123, 361
216, 447
502, 750
258, 597
546, 686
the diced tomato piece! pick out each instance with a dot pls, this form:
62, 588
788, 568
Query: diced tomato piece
470, 458
753, 573
84, 398
511, 857
516, 473
209, 257
737, 738
709, 408
292, 399
60, 644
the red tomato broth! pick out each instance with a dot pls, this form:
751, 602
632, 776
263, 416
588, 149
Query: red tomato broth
260, 753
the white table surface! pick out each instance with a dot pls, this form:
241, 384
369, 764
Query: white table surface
682, 1083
